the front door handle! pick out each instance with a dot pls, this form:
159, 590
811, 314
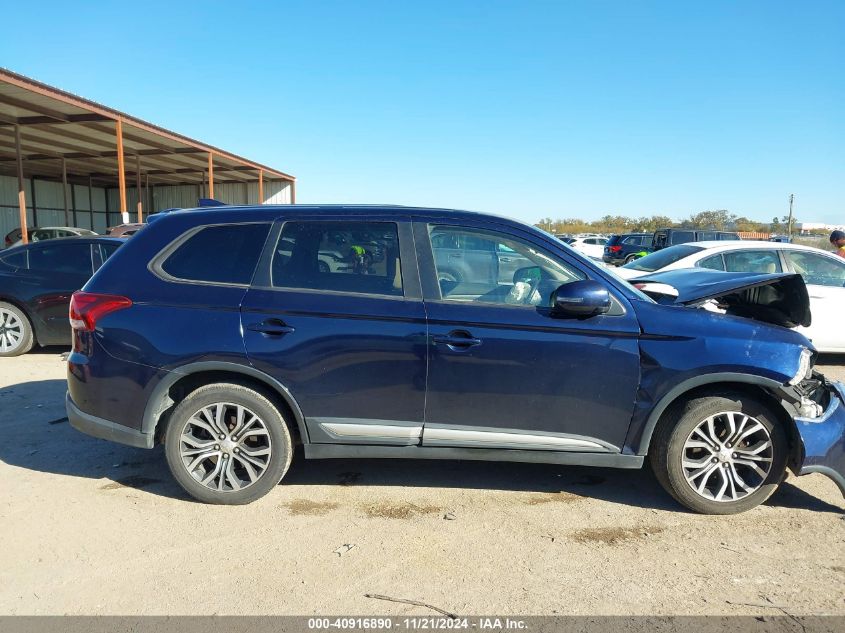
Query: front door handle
456, 340
271, 327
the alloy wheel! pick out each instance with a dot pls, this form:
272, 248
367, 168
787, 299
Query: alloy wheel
225, 447
727, 456
11, 331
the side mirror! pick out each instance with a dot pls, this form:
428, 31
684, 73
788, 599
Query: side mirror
581, 299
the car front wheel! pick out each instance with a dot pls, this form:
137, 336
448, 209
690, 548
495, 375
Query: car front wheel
227, 444
719, 454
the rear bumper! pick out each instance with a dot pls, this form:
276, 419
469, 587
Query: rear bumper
104, 429
609, 259
823, 439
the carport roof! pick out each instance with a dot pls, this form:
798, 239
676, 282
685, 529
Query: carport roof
56, 125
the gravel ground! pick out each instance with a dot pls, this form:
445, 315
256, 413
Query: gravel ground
90, 527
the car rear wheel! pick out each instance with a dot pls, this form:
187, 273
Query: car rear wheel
719, 454
631, 258
227, 444
15, 331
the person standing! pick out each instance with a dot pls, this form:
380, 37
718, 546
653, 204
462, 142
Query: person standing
837, 238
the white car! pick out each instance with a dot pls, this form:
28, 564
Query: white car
823, 272
54, 232
589, 246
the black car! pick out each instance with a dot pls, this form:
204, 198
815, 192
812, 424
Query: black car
664, 238
622, 249
36, 282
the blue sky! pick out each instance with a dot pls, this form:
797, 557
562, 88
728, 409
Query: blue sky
529, 109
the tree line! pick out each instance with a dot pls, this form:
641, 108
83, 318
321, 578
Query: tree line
720, 219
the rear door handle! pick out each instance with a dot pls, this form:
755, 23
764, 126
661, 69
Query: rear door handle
271, 327
456, 340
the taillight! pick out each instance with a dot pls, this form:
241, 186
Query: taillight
86, 308
614, 249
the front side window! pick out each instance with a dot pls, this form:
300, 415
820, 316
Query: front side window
527, 277
817, 269
61, 258
357, 257
752, 262
225, 253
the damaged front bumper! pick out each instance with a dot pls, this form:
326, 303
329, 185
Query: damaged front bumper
822, 438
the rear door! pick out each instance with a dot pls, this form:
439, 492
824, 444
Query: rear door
503, 373
56, 270
347, 340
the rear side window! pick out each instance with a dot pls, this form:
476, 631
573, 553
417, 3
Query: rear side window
225, 253
682, 237
357, 257
62, 258
714, 262
15, 260
752, 262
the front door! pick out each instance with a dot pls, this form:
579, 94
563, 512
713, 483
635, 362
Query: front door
504, 373
335, 314
825, 279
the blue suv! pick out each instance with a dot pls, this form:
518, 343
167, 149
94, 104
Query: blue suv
230, 336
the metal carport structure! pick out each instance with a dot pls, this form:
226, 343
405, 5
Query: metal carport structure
83, 155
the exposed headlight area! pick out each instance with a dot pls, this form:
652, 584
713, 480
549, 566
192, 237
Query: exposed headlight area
805, 367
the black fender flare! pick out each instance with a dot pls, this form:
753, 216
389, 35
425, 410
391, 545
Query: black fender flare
159, 399
641, 445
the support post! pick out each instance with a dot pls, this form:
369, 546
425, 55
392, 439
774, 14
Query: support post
293, 192
64, 191
260, 186
121, 169
91, 201
34, 201
138, 187
211, 175
21, 194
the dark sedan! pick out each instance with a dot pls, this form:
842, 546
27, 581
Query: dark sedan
36, 282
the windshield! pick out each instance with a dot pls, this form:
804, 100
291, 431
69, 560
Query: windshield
663, 258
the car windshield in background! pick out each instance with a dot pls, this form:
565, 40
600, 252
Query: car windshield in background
663, 258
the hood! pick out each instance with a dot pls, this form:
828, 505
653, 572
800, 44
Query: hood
779, 298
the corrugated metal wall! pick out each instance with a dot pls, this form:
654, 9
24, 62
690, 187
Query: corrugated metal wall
49, 201
49, 205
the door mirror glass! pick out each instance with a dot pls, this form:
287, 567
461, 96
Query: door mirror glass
581, 299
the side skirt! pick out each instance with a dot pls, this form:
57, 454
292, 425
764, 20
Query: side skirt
338, 451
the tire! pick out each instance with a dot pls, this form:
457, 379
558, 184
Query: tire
244, 470
16, 336
630, 259
323, 267
708, 481
448, 275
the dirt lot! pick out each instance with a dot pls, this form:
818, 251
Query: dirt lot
90, 527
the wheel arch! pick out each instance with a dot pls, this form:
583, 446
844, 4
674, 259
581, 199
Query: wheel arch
713, 384
185, 379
